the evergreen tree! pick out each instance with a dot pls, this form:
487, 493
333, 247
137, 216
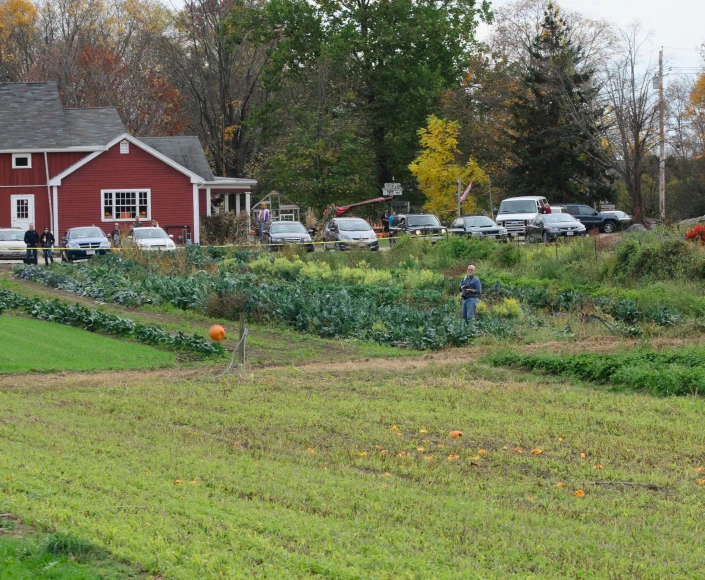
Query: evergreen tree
556, 122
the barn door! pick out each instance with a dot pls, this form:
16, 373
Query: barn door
22, 211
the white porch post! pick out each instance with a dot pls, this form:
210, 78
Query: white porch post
227, 203
247, 208
208, 201
55, 203
237, 204
196, 217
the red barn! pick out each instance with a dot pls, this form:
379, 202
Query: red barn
75, 167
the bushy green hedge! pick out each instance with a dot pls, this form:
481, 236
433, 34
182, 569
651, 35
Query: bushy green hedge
673, 372
96, 321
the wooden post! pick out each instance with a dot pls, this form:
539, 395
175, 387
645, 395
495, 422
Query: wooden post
241, 348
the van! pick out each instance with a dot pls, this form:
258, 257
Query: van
515, 212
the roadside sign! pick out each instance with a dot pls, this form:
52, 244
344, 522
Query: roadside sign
392, 189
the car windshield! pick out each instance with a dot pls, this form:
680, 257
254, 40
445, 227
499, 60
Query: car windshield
11, 236
288, 228
479, 222
416, 221
558, 218
83, 233
518, 206
354, 225
149, 233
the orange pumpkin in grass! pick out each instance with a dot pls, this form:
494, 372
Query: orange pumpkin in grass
217, 332
455, 434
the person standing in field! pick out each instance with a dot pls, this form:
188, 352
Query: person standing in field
47, 240
470, 289
31, 238
262, 220
115, 235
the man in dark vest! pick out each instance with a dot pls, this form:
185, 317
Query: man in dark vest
31, 238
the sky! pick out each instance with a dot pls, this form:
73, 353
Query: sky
677, 25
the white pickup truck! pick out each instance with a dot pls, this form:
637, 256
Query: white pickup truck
515, 212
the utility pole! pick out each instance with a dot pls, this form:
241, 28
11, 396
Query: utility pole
662, 142
459, 194
489, 187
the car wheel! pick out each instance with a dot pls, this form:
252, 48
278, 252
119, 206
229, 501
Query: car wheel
546, 238
609, 227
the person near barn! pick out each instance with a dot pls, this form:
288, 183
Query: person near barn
262, 220
115, 235
470, 289
31, 238
47, 240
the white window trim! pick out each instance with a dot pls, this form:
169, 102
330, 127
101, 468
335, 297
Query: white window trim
116, 219
21, 155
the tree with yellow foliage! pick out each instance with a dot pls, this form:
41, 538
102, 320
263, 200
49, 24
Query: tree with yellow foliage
437, 169
695, 113
17, 24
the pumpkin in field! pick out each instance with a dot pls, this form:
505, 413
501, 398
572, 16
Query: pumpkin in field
455, 434
217, 332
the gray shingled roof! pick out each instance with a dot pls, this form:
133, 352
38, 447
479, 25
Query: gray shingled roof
31, 117
93, 126
186, 151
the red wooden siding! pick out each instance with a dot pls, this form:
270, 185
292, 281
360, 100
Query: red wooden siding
41, 205
80, 201
36, 175
58, 162
202, 205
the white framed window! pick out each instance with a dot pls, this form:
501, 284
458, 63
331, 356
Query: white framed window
21, 161
124, 147
126, 204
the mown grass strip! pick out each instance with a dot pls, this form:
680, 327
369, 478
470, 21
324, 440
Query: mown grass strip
96, 321
41, 346
663, 373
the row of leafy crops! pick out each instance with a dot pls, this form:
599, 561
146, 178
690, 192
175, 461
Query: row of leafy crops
96, 321
417, 318
672, 372
626, 311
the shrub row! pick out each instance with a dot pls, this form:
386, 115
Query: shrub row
666, 373
95, 321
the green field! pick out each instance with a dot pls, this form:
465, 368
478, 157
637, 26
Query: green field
38, 346
351, 474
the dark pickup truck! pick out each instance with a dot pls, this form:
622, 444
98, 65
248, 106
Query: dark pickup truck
591, 219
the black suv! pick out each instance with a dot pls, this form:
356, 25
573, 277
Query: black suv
418, 224
591, 219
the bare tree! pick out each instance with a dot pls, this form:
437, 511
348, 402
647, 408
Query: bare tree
220, 70
632, 113
517, 24
679, 127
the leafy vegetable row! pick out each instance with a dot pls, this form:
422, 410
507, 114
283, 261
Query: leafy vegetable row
680, 372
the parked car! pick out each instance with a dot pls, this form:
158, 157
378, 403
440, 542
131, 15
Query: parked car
591, 219
553, 225
344, 233
83, 242
12, 246
624, 219
418, 224
515, 212
478, 225
557, 209
153, 238
284, 232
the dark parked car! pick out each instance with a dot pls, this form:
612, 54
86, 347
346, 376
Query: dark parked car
478, 225
591, 219
83, 242
287, 233
624, 219
553, 225
418, 224
344, 233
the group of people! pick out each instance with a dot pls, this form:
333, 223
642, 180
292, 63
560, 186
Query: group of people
46, 241
34, 240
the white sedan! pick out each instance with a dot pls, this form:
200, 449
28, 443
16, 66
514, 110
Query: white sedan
12, 244
153, 239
